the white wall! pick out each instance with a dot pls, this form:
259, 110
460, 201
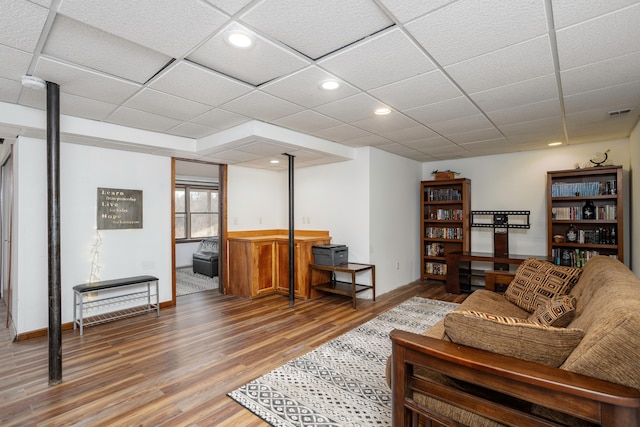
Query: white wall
256, 199
122, 253
517, 181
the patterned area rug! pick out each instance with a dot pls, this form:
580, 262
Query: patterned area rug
341, 383
188, 282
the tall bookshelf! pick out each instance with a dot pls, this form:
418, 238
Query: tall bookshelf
445, 211
596, 231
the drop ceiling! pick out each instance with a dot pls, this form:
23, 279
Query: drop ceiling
462, 78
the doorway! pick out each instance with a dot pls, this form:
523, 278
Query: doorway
198, 213
6, 208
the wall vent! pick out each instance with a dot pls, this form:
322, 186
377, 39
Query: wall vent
621, 112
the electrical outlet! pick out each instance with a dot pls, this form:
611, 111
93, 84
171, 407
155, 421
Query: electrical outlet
397, 265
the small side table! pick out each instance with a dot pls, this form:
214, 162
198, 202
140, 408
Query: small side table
343, 288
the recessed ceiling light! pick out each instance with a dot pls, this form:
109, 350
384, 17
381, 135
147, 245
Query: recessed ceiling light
382, 111
239, 39
274, 162
330, 85
554, 144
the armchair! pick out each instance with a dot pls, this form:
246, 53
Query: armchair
205, 259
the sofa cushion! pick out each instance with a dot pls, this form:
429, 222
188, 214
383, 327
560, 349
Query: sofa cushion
512, 336
558, 312
537, 282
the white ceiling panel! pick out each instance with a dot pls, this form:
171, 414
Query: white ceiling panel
600, 38
307, 121
262, 106
167, 26
611, 72
469, 28
512, 64
472, 72
317, 29
220, 119
516, 94
141, 119
379, 60
424, 89
256, 65
84, 45
303, 88
86, 83
21, 23
167, 105
197, 83
446, 110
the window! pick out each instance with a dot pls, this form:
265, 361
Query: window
196, 212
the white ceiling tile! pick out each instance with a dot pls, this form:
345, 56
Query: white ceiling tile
535, 129
496, 146
85, 83
263, 148
611, 98
569, 12
307, 121
512, 64
230, 6
256, 65
220, 119
369, 140
78, 106
416, 91
475, 136
442, 111
21, 23
166, 105
342, 133
191, 130
199, 84
378, 61
408, 133
387, 123
262, 106
15, 63
516, 94
601, 38
351, 109
235, 156
468, 28
610, 72
399, 149
462, 124
81, 44
314, 29
427, 144
175, 27
584, 126
526, 113
10, 90
406, 10
303, 88
141, 120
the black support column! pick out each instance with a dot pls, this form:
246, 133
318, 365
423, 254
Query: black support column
292, 262
53, 209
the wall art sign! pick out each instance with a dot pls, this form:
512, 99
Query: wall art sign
119, 209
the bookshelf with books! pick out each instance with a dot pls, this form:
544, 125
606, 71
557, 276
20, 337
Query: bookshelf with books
585, 214
444, 227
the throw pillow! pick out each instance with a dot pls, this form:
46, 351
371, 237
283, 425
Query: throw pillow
520, 338
537, 282
558, 312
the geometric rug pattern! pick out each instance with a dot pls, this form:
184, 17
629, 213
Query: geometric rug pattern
188, 282
341, 383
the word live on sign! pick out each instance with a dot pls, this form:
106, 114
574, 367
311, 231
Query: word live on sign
119, 209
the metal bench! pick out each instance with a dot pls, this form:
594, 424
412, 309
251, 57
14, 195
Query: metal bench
87, 298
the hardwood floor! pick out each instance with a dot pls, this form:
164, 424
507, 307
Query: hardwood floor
176, 369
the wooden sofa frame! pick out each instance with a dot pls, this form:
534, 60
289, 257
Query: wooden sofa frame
591, 399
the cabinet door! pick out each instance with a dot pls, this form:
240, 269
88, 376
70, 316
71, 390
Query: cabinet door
263, 268
283, 267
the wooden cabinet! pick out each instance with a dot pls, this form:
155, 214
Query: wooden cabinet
585, 214
445, 211
259, 265
252, 267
